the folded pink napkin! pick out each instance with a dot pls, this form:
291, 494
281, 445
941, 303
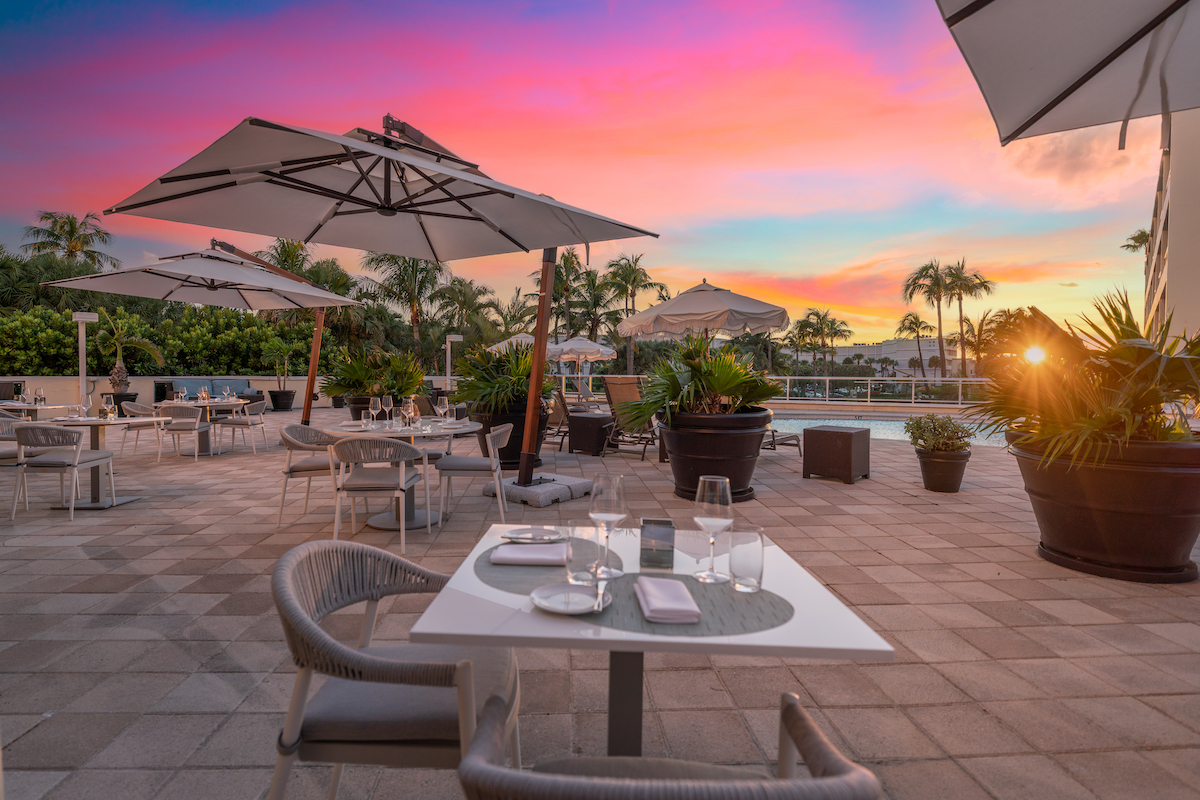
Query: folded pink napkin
666, 600
539, 555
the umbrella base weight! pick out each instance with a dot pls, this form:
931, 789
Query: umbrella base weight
100, 506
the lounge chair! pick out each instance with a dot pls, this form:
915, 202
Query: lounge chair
775, 439
621, 389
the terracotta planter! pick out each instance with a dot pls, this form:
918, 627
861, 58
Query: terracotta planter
1136, 517
942, 470
510, 454
715, 444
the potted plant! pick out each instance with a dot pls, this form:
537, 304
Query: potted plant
943, 449
1097, 420
115, 339
496, 388
400, 373
356, 377
277, 353
706, 407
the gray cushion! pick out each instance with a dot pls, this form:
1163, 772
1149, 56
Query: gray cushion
310, 464
242, 422
62, 458
188, 425
191, 385
357, 711
378, 478
140, 422
473, 463
236, 385
667, 769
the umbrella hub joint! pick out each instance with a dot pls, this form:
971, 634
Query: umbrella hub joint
385, 211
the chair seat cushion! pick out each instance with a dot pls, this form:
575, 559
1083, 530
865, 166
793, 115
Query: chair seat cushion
63, 458
381, 479
667, 769
140, 422
465, 463
242, 422
185, 427
358, 711
310, 464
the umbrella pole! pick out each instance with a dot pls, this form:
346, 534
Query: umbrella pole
533, 408
313, 358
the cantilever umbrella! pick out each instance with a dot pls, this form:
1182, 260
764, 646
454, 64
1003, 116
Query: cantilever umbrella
704, 308
1055, 65
401, 194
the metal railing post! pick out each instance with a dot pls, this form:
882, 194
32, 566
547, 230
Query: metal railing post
914, 391
868, 390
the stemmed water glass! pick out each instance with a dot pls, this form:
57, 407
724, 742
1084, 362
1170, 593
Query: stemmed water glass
410, 411
39, 397
376, 407
110, 407
225, 391
387, 408
713, 512
608, 508
85, 404
443, 405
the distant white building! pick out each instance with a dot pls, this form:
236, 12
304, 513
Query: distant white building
899, 350
1176, 213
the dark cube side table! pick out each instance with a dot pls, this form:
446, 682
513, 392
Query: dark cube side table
837, 452
588, 432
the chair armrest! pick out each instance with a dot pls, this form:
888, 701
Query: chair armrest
316, 649
798, 732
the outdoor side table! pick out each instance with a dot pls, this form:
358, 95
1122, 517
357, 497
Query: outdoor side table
588, 432
837, 452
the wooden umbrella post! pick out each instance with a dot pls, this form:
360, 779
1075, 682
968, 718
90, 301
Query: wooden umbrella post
533, 407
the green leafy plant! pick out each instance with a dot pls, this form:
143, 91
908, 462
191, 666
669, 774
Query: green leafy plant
938, 432
495, 382
400, 373
1097, 388
116, 338
353, 373
698, 380
276, 354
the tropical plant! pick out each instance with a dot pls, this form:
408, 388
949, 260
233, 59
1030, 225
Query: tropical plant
496, 382
960, 283
516, 314
70, 238
695, 379
594, 297
938, 432
911, 324
460, 299
353, 373
1097, 388
277, 354
799, 337
978, 337
827, 329
408, 282
628, 277
1138, 242
400, 373
929, 282
116, 338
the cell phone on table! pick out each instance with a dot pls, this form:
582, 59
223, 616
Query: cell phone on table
658, 543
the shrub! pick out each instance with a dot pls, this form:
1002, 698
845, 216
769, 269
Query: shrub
937, 432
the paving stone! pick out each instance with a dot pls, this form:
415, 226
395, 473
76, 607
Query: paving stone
877, 733
65, 740
940, 779
1025, 776
1116, 776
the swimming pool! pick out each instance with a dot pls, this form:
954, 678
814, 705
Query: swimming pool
880, 428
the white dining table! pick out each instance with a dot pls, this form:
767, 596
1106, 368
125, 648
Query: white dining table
469, 611
203, 438
96, 429
413, 517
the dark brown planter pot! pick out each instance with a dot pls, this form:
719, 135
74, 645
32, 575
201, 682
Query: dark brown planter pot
282, 400
339, 401
358, 404
510, 454
122, 397
1136, 517
715, 444
942, 470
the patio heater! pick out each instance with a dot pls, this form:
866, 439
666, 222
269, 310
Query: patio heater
83, 318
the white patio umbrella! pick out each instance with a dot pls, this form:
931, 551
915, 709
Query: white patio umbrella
580, 348
552, 349
1055, 65
400, 194
704, 308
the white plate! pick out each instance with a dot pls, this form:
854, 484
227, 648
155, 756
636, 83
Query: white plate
351, 424
454, 425
567, 598
534, 536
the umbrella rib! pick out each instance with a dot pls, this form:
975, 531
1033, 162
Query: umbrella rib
401, 206
364, 175
394, 144
452, 196
1091, 73
298, 164
420, 222
966, 11
304, 186
180, 196
333, 212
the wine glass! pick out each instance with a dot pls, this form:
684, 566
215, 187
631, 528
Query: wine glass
608, 508
713, 512
85, 404
110, 407
39, 397
388, 403
225, 391
443, 405
376, 407
410, 411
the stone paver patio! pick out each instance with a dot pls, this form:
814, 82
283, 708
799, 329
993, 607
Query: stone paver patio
140, 654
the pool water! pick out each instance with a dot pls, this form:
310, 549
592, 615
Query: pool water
880, 428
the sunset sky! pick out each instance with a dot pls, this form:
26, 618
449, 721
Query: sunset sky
806, 153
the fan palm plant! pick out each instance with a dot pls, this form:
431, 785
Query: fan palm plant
460, 299
929, 282
493, 383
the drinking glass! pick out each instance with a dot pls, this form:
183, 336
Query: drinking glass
387, 406
713, 512
110, 407
225, 391
85, 405
376, 407
414, 414
608, 508
443, 405
39, 397
746, 557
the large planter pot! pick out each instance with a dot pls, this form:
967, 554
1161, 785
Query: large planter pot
339, 401
715, 444
510, 454
122, 397
358, 404
942, 470
1135, 517
281, 400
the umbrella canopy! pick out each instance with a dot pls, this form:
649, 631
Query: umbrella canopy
212, 278
363, 190
580, 348
704, 307
525, 339
1056, 65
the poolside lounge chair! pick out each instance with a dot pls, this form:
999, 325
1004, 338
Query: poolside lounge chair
834, 777
775, 439
622, 389
559, 422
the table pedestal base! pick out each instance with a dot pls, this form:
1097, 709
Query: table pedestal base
413, 519
625, 703
83, 505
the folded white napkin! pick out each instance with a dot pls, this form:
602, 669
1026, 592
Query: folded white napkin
666, 600
353, 423
557, 554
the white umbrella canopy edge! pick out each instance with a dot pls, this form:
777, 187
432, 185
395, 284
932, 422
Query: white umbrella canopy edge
705, 307
580, 348
552, 350
1046, 66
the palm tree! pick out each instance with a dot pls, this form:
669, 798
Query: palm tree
911, 324
628, 277
594, 296
1138, 242
979, 338
291, 254
406, 281
827, 329
961, 283
516, 314
460, 299
70, 238
929, 281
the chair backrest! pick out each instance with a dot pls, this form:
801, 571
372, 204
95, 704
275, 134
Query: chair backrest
374, 450
47, 436
181, 412
585, 390
9, 415
8, 390
133, 409
236, 386
316, 579
558, 408
6, 430
623, 389
256, 409
424, 406
305, 437
497, 437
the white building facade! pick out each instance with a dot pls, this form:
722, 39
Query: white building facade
899, 350
1173, 284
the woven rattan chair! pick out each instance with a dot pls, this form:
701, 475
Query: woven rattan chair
306, 439
484, 777
451, 467
401, 705
184, 419
140, 418
246, 418
622, 389
356, 479
63, 454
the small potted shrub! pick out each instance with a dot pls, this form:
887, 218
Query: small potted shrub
277, 353
400, 374
114, 340
356, 378
496, 388
943, 449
